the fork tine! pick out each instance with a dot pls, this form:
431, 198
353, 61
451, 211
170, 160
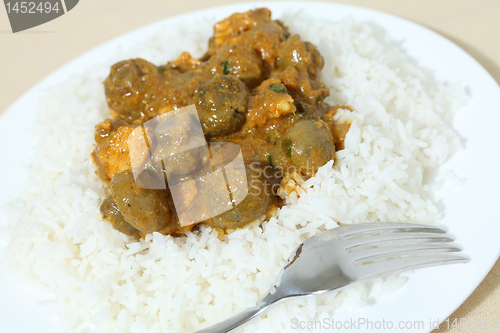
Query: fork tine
365, 229
356, 244
378, 269
399, 250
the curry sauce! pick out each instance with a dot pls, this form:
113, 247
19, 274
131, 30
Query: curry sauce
257, 86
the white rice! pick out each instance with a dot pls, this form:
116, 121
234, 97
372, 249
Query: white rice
400, 130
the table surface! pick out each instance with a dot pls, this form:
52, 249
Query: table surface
27, 57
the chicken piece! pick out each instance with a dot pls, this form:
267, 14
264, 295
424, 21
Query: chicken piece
270, 100
302, 55
184, 63
189, 192
339, 128
299, 84
265, 39
111, 154
227, 30
253, 28
291, 184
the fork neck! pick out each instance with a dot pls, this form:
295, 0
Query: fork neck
276, 297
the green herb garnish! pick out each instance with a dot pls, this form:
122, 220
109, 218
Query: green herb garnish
287, 147
270, 160
278, 87
162, 68
225, 67
318, 98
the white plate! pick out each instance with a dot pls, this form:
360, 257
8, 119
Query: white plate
471, 213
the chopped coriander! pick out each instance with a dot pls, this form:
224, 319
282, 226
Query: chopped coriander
269, 140
225, 67
233, 47
287, 147
270, 160
162, 68
318, 98
277, 87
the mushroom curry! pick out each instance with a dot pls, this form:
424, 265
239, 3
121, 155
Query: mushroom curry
257, 86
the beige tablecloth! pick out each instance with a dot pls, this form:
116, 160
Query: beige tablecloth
27, 57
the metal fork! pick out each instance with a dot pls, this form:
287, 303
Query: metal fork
340, 257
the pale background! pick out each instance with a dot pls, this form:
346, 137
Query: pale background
27, 57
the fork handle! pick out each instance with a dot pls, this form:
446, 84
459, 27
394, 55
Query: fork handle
241, 318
